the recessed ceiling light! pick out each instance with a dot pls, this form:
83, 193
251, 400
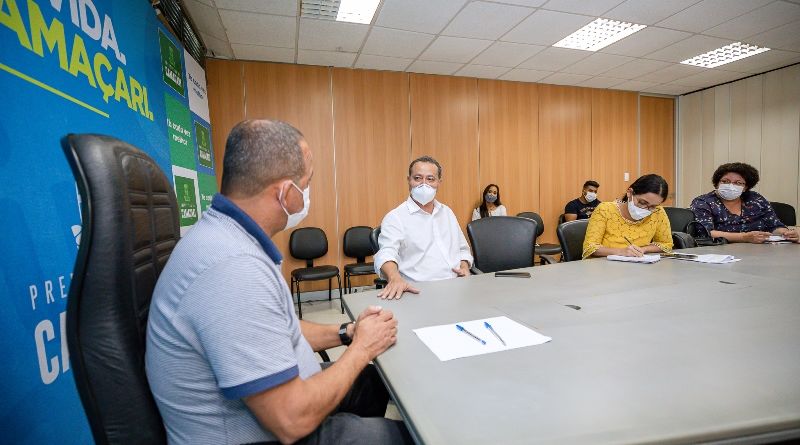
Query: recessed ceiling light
599, 34
352, 11
726, 54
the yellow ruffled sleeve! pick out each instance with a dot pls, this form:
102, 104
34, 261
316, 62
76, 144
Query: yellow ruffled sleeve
596, 229
663, 236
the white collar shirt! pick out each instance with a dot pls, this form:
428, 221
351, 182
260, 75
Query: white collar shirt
425, 246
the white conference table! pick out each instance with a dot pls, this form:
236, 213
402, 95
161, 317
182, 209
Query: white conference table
671, 352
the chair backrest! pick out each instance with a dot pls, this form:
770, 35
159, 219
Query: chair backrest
130, 226
562, 219
308, 243
785, 213
373, 239
571, 235
502, 242
534, 216
357, 244
682, 240
679, 218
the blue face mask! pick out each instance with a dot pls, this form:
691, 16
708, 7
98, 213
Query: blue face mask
490, 198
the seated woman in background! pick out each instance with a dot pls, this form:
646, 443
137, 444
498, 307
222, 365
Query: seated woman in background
632, 225
734, 211
490, 205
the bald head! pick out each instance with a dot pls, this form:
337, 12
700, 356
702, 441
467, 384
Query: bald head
259, 153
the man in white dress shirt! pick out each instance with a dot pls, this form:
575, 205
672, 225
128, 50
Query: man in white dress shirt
420, 239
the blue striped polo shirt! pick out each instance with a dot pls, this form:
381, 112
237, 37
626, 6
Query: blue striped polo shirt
222, 327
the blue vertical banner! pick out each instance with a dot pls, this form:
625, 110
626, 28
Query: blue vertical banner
77, 66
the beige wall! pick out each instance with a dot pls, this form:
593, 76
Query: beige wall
754, 120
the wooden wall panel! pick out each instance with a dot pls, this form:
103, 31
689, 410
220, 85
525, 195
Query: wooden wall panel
444, 124
708, 135
722, 125
509, 143
657, 140
780, 140
745, 126
614, 145
301, 96
373, 147
565, 138
225, 104
691, 149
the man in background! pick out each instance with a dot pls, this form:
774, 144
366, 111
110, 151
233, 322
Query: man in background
582, 207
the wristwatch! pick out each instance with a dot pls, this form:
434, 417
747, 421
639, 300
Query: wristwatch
346, 340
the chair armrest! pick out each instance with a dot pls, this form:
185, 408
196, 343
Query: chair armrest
549, 259
324, 356
475, 271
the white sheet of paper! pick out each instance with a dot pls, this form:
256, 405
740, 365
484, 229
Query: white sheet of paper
646, 258
716, 259
448, 343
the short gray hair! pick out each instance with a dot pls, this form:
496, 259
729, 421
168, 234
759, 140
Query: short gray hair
259, 153
429, 160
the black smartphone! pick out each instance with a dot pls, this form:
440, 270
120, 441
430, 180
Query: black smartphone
513, 274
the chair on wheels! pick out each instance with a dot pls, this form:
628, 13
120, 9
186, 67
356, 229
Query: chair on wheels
310, 243
544, 250
571, 235
357, 244
502, 242
380, 283
785, 213
130, 227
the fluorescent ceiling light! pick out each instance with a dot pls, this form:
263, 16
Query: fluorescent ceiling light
726, 54
599, 34
352, 11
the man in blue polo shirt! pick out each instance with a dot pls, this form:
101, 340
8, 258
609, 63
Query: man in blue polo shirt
227, 359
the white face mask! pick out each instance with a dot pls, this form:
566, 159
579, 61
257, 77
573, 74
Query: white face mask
591, 196
729, 192
637, 213
294, 219
423, 193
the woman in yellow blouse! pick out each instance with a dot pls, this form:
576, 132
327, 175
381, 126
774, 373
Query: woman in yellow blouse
637, 216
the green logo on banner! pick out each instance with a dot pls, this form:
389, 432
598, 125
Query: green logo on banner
171, 67
203, 138
187, 200
208, 187
179, 131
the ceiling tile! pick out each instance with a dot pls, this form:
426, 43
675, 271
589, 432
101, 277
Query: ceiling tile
521, 75
328, 35
601, 82
693, 46
672, 90
636, 68
506, 54
382, 63
429, 67
546, 27
396, 43
786, 37
532, 3
709, 13
763, 62
482, 20
325, 58
259, 29
454, 49
554, 59
597, 63
277, 7
418, 15
485, 72
216, 47
266, 53
763, 19
671, 73
645, 42
634, 85
709, 78
593, 7
647, 12
565, 79
206, 18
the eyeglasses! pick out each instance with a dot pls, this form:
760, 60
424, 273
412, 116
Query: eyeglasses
737, 183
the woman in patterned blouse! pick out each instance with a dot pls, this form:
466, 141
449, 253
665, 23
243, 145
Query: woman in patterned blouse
734, 211
636, 217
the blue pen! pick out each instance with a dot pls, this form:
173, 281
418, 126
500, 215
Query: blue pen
489, 327
461, 328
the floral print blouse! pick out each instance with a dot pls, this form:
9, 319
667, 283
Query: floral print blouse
757, 214
608, 228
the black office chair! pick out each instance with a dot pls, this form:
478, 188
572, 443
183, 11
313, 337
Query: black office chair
679, 218
380, 283
785, 213
571, 235
310, 243
562, 219
502, 242
544, 250
130, 226
357, 244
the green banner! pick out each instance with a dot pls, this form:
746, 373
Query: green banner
203, 138
179, 124
171, 66
208, 187
187, 200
